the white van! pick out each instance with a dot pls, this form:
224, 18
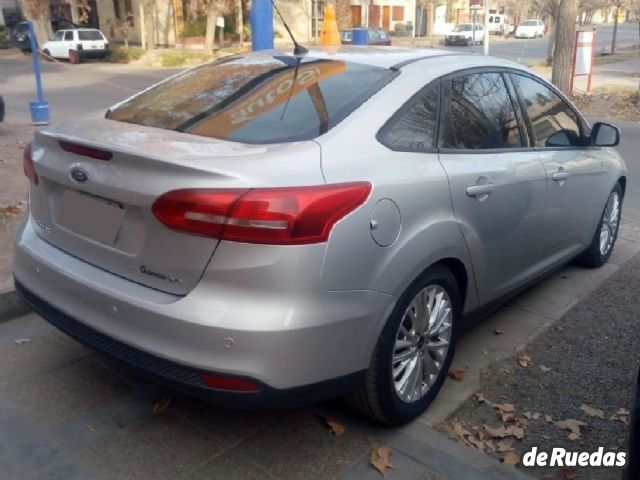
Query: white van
498, 24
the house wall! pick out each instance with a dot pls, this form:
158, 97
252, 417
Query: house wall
373, 13
298, 15
162, 16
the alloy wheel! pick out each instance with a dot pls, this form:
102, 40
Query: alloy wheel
421, 343
610, 223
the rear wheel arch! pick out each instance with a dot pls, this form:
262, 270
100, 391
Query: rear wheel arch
459, 271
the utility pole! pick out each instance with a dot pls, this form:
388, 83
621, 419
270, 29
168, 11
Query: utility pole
485, 40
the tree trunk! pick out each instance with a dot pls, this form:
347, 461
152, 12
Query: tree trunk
209, 37
430, 13
615, 31
563, 50
41, 17
552, 39
343, 14
239, 22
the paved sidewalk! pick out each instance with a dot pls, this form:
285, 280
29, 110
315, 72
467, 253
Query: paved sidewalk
68, 413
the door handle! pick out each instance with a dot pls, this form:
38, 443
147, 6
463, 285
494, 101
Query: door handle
560, 176
479, 190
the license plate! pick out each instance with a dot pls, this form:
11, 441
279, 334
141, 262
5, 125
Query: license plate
98, 219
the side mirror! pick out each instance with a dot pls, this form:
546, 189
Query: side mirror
605, 135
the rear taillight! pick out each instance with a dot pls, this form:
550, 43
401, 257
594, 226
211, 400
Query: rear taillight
27, 165
276, 216
85, 151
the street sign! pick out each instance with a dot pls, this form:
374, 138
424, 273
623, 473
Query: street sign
583, 53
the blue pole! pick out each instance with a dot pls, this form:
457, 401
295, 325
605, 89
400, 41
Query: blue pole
261, 19
39, 109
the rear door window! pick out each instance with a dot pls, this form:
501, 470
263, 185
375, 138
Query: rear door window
256, 98
68, 37
553, 122
89, 35
480, 114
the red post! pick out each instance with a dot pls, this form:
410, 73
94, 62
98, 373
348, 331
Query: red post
573, 62
593, 54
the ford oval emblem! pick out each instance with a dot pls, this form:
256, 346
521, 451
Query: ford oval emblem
79, 175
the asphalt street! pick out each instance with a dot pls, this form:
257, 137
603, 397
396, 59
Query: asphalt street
531, 51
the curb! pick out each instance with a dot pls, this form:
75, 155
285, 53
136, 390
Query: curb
12, 306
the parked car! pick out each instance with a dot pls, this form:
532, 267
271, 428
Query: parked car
463, 33
498, 24
20, 34
377, 36
266, 230
530, 29
1, 109
77, 44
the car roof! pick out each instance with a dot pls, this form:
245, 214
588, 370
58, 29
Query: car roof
384, 57
395, 57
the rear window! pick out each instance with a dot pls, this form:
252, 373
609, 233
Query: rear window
89, 35
256, 98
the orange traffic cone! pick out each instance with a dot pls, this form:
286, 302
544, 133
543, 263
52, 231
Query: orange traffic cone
329, 34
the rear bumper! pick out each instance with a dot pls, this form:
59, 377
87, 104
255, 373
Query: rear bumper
182, 377
282, 341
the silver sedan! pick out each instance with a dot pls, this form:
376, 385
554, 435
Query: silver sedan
270, 229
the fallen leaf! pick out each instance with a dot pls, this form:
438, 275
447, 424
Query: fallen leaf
622, 415
515, 431
592, 412
336, 428
571, 425
20, 341
573, 436
506, 371
502, 432
507, 417
161, 407
481, 398
504, 407
504, 445
459, 430
91, 428
485, 351
548, 418
380, 459
524, 360
544, 369
457, 373
511, 458
497, 331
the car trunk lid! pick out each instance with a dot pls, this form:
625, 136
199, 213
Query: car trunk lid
99, 209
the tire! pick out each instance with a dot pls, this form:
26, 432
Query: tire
74, 57
380, 397
607, 232
47, 55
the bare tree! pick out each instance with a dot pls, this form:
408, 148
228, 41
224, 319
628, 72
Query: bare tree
239, 22
564, 38
39, 13
343, 14
214, 9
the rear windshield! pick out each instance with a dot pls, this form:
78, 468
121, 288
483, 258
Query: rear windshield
462, 28
89, 35
256, 98
530, 23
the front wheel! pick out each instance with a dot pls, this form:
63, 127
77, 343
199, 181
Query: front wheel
414, 351
606, 234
